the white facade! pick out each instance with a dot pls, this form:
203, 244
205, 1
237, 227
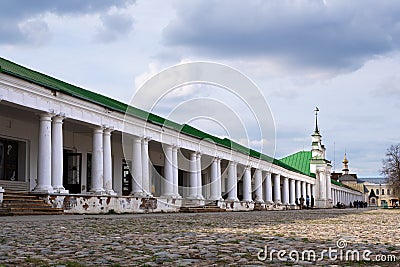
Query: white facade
87, 158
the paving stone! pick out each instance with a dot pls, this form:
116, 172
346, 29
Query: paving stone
210, 239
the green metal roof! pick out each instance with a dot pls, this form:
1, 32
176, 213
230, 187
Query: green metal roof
299, 161
54, 84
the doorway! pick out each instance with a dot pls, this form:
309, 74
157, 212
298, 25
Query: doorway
72, 171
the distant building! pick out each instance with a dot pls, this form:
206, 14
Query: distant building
379, 192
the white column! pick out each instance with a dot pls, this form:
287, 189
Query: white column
44, 155
168, 172
292, 193
322, 184
219, 180
268, 188
215, 193
175, 170
199, 181
258, 186
193, 176
285, 191
277, 189
303, 189
308, 190
107, 162
232, 181
328, 186
313, 193
136, 169
298, 190
247, 184
57, 156
145, 167
97, 161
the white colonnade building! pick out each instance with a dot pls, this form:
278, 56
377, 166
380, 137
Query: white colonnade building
85, 153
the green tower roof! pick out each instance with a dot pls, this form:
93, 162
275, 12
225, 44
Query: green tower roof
300, 161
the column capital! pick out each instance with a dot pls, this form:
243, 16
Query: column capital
58, 119
105, 126
97, 129
136, 139
45, 116
175, 147
232, 162
108, 131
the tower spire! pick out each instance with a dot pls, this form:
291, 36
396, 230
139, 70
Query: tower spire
345, 164
316, 119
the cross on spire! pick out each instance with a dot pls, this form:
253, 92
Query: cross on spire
316, 119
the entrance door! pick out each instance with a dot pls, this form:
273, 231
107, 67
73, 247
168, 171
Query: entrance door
72, 171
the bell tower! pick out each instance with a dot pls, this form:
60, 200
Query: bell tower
321, 168
345, 169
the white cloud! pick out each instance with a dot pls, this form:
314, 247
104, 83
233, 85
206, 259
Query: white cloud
318, 36
36, 31
114, 26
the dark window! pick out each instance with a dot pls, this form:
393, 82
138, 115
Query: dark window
8, 160
377, 191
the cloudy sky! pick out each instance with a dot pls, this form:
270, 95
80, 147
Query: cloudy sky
342, 56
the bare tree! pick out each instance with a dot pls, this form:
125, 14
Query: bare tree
391, 168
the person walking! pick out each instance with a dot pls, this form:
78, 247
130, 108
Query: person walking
308, 201
301, 202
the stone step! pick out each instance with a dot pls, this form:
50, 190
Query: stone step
23, 203
19, 196
22, 200
23, 193
12, 209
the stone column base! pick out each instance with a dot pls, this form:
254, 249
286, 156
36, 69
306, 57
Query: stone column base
193, 202
1, 194
323, 204
60, 191
43, 190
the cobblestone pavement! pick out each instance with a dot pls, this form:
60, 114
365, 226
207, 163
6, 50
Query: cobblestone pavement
212, 239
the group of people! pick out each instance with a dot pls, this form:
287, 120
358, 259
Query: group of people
309, 202
356, 204
359, 204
